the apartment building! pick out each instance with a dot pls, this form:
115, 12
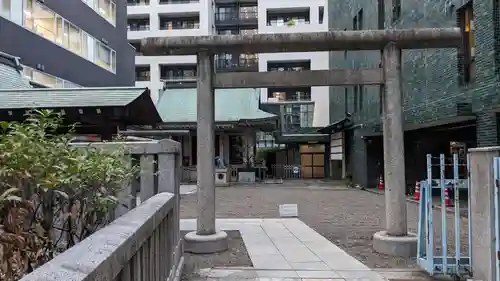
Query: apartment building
71, 43
150, 18
450, 96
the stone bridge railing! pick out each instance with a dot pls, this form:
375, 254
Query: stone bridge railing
143, 243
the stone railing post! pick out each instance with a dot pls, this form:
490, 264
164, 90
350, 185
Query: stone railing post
482, 211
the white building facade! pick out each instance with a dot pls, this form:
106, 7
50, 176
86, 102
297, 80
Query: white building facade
157, 18
162, 18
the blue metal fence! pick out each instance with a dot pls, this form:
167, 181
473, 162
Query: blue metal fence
436, 253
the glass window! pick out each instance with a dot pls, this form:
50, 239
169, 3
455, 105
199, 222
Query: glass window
75, 39
107, 9
85, 47
42, 21
105, 57
5, 8
44, 79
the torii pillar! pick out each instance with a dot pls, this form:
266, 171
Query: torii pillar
395, 239
206, 239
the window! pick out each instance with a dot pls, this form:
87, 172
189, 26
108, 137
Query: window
248, 12
321, 13
288, 19
5, 8
105, 57
75, 39
266, 140
298, 116
137, 2
467, 50
40, 20
53, 27
396, 10
142, 73
107, 9
179, 23
46, 79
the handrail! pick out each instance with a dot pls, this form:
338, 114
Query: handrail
142, 245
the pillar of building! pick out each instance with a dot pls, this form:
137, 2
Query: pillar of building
395, 240
206, 239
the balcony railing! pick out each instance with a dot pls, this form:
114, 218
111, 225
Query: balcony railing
142, 78
138, 3
237, 64
177, 79
236, 18
178, 1
138, 27
177, 26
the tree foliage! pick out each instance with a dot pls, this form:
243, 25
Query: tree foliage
52, 195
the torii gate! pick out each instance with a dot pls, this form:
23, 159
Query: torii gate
395, 240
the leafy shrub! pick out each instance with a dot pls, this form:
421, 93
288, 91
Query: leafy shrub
52, 195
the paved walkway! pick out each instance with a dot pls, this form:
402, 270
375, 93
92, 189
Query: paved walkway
286, 249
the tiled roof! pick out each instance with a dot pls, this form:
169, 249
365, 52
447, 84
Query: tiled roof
231, 105
68, 97
11, 74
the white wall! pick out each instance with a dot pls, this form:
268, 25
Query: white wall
319, 60
154, 10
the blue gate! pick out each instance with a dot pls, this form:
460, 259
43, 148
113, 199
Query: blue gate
444, 240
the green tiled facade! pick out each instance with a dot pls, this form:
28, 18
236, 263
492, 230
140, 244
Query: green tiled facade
432, 88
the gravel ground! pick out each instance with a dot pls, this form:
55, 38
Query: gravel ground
236, 255
346, 217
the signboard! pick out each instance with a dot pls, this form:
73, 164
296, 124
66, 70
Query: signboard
289, 210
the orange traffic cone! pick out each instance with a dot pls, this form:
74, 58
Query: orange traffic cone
416, 195
447, 200
381, 183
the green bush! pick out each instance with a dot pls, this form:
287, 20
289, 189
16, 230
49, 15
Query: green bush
52, 195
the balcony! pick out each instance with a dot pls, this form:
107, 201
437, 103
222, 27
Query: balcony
288, 19
166, 2
280, 95
236, 18
237, 63
178, 76
137, 27
169, 23
142, 73
137, 2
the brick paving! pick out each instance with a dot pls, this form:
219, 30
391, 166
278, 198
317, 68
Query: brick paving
346, 217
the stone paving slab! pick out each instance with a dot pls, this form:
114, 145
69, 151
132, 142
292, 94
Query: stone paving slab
286, 249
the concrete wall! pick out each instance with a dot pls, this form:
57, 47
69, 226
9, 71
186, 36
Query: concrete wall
59, 62
483, 213
319, 60
206, 13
